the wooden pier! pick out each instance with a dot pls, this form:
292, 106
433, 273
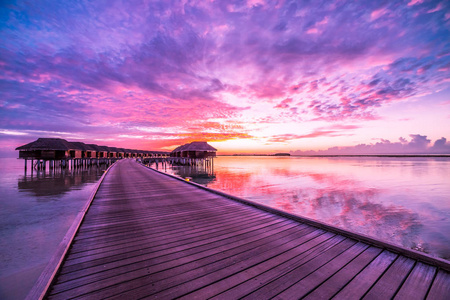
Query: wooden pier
149, 235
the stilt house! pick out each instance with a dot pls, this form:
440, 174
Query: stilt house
100, 151
49, 149
195, 150
60, 149
87, 151
118, 152
111, 153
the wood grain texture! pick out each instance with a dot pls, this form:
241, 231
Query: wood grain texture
440, 289
418, 282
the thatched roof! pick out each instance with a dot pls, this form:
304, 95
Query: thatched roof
96, 148
49, 144
179, 148
83, 146
103, 148
195, 146
115, 149
61, 144
159, 152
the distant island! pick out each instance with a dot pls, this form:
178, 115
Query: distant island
282, 154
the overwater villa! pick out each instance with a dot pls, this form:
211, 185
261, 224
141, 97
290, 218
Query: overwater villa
50, 149
87, 151
60, 152
195, 153
194, 150
100, 152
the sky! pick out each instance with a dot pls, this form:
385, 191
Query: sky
256, 76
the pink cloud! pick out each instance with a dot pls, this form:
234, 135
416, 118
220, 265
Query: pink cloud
437, 8
419, 144
378, 13
312, 31
284, 104
415, 2
333, 131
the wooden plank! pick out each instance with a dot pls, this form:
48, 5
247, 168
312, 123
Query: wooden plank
150, 242
390, 282
332, 285
171, 229
440, 289
179, 262
225, 209
273, 273
157, 225
206, 276
418, 282
171, 284
172, 220
359, 285
317, 277
130, 255
134, 241
177, 245
165, 250
101, 220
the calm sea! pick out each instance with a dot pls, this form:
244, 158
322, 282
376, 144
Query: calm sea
36, 210
405, 201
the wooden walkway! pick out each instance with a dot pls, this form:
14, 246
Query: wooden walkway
147, 235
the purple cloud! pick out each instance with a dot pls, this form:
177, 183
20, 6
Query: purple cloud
333, 131
419, 144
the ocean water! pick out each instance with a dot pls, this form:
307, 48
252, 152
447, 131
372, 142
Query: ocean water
404, 201
36, 210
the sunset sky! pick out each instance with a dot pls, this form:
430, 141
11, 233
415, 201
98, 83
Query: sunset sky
247, 76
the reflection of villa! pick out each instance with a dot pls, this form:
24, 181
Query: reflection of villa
50, 149
61, 152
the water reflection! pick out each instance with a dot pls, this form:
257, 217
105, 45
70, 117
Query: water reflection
400, 200
201, 173
198, 174
358, 210
36, 210
57, 181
